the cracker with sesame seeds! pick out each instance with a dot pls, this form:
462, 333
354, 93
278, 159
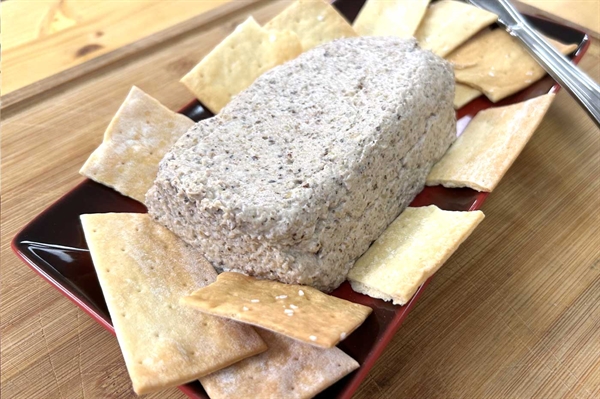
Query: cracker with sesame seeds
288, 369
301, 312
137, 138
491, 142
237, 61
390, 17
496, 63
314, 21
447, 24
143, 270
409, 251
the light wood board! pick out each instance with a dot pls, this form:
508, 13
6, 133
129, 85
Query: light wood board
580, 14
42, 38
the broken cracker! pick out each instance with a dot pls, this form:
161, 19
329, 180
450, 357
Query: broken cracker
144, 270
410, 251
236, 62
447, 24
464, 94
314, 21
496, 63
288, 369
491, 142
139, 135
297, 311
390, 18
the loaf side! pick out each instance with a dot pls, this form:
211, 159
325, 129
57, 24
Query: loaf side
299, 173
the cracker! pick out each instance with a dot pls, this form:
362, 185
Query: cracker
563, 48
464, 94
447, 24
143, 270
139, 135
390, 17
315, 318
314, 21
288, 369
489, 145
237, 61
410, 251
496, 63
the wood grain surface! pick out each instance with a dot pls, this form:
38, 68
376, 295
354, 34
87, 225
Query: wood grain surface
56, 57
46, 37
515, 313
581, 14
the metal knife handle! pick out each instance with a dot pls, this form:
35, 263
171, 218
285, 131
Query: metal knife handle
584, 89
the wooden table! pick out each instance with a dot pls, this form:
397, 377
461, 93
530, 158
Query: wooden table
515, 312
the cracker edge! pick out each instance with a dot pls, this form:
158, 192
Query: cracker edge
364, 289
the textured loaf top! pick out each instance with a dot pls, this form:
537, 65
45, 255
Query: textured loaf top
272, 162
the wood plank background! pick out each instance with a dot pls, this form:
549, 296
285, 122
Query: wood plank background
515, 313
67, 49
581, 14
47, 37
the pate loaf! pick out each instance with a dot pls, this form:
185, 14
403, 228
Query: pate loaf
302, 171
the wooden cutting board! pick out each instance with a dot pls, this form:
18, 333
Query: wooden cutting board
50, 43
579, 14
515, 313
44, 38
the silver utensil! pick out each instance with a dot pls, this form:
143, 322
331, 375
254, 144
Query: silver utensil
577, 83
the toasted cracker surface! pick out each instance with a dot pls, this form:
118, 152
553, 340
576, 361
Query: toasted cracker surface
143, 270
497, 64
297, 311
137, 138
491, 142
288, 369
447, 24
411, 250
464, 94
314, 21
237, 61
390, 17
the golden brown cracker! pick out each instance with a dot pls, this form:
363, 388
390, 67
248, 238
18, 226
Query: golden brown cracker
288, 369
237, 61
144, 270
464, 94
410, 251
497, 64
137, 138
447, 24
297, 311
314, 21
390, 17
489, 145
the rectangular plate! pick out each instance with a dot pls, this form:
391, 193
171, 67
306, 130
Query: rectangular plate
53, 244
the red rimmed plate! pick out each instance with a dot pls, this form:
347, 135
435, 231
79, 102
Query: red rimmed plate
53, 244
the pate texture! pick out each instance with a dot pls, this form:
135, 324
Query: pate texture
299, 173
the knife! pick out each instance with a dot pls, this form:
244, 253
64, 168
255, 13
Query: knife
577, 83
